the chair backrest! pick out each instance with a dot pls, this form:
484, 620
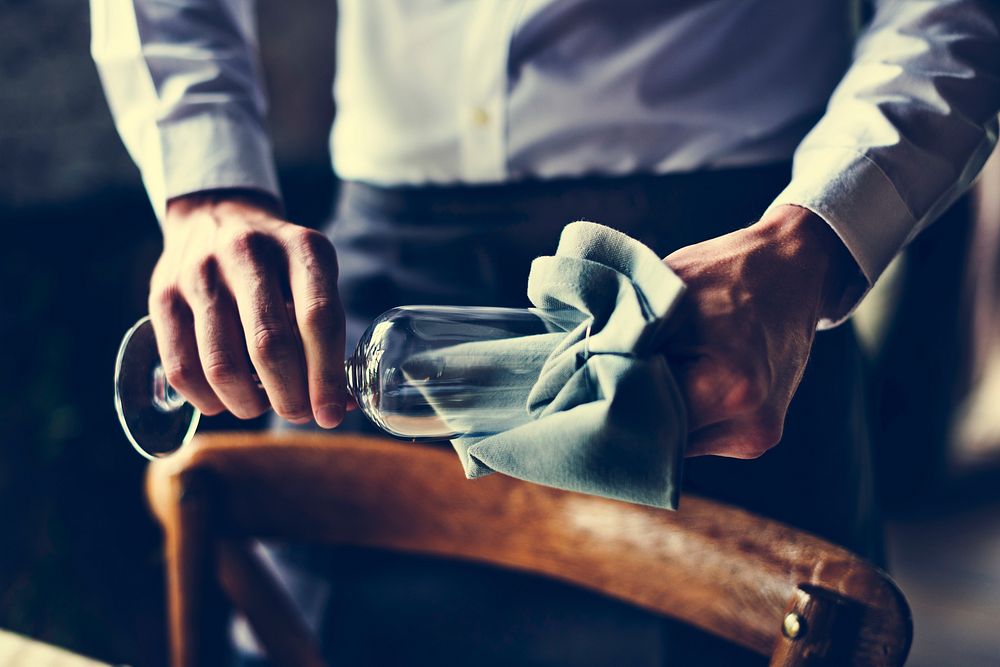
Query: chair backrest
758, 583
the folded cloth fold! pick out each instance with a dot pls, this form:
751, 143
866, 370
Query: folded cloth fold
606, 416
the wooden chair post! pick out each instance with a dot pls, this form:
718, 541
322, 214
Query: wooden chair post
197, 614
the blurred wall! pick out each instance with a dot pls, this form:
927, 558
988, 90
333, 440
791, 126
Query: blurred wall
57, 142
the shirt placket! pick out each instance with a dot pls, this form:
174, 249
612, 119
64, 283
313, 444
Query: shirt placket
483, 90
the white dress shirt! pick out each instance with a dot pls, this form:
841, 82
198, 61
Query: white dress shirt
478, 91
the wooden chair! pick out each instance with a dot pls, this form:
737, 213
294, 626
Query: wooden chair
750, 580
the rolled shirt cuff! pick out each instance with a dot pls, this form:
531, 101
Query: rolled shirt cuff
862, 206
209, 150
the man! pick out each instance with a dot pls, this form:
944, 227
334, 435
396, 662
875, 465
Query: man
468, 133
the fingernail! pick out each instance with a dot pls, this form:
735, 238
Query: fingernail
330, 415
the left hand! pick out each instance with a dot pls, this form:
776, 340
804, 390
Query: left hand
753, 302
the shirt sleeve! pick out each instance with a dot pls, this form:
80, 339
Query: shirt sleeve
907, 129
183, 82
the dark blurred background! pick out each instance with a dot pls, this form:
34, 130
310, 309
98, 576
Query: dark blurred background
79, 556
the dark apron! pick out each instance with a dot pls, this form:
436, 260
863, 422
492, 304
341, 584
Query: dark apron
473, 245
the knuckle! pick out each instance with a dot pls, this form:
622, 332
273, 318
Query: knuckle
318, 313
181, 373
247, 245
165, 299
305, 241
220, 368
205, 278
314, 250
271, 344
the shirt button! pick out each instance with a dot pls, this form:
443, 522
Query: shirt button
480, 117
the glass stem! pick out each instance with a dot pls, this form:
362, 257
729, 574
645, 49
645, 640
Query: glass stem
165, 397
168, 399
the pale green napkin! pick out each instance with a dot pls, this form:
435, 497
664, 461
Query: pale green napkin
605, 415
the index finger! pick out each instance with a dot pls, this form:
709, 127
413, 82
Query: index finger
319, 314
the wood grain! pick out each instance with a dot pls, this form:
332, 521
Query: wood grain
717, 567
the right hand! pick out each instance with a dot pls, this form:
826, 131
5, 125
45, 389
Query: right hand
238, 284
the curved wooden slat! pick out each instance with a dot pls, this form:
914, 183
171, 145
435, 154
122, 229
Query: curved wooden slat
714, 566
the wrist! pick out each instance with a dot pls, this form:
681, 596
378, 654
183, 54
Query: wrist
224, 202
811, 248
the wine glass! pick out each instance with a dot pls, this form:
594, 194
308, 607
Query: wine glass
418, 372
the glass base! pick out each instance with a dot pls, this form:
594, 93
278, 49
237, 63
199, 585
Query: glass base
155, 425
